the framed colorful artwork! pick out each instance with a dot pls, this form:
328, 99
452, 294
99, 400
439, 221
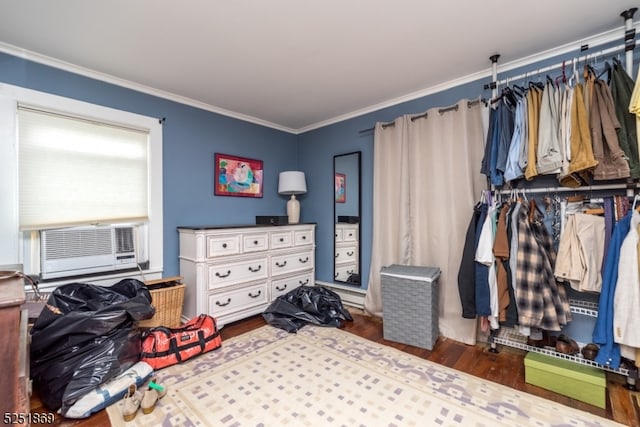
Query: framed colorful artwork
341, 188
237, 176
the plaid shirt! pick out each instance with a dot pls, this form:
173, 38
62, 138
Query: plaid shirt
540, 300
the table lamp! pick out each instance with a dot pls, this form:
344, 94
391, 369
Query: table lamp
292, 182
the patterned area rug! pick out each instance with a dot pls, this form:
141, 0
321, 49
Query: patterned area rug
327, 377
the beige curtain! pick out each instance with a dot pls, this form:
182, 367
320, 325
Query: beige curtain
426, 182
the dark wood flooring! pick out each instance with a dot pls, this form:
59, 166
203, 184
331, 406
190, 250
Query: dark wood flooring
506, 367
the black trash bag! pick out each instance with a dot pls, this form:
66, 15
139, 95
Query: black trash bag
85, 336
306, 304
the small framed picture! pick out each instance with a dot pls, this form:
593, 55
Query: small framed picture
237, 176
341, 188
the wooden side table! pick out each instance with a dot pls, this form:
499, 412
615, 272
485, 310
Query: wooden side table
14, 339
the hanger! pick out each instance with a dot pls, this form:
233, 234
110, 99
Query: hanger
563, 77
607, 69
635, 199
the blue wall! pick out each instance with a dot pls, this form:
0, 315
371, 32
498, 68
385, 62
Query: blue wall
191, 136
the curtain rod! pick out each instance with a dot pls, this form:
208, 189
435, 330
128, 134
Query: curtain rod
548, 68
424, 115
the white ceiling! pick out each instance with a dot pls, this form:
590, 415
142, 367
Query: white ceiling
294, 64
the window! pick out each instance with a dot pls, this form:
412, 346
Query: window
93, 165
73, 171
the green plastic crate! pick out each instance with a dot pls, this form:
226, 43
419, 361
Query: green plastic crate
585, 383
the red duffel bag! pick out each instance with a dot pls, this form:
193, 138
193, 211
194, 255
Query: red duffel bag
162, 347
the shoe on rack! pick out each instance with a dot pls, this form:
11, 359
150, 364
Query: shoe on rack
131, 403
566, 345
590, 351
546, 341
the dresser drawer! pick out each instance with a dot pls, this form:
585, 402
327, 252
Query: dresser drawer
303, 237
343, 272
349, 235
281, 287
255, 242
288, 263
281, 239
346, 254
223, 245
230, 273
238, 299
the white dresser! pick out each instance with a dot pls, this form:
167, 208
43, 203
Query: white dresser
347, 251
235, 272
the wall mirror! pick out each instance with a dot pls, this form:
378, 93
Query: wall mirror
346, 215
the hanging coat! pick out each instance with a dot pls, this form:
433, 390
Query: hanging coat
626, 300
609, 353
612, 162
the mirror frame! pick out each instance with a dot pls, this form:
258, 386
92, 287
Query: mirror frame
358, 155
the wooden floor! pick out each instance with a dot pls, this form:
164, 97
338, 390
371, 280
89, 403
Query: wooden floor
506, 367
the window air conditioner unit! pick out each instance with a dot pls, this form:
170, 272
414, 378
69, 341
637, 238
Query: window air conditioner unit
85, 250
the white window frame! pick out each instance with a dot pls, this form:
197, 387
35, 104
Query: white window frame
11, 242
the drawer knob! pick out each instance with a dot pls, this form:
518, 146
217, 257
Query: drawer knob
281, 265
303, 283
224, 245
255, 270
222, 304
255, 242
256, 295
303, 261
281, 239
222, 276
280, 289
350, 253
338, 254
304, 237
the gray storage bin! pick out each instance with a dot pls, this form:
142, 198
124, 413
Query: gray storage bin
410, 304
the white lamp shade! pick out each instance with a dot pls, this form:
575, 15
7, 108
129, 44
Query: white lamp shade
292, 182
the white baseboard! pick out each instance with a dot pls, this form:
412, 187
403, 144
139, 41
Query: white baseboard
350, 295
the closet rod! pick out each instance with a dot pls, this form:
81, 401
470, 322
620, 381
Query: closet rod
568, 189
548, 68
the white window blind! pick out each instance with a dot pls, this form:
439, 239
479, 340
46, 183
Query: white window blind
74, 171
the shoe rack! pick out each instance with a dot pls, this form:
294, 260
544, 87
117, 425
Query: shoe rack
510, 337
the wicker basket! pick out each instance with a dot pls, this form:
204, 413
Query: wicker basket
167, 299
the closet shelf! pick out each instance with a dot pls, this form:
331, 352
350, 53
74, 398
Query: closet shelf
587, 308
511, 338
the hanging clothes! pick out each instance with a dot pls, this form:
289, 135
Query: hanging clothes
541, 301
579, 260
612, 162
609, 353
621, 89
467, 270
484, 256
626, 299
565, 128
513, 170
534, 97
549, 156
582, 159
501, 254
